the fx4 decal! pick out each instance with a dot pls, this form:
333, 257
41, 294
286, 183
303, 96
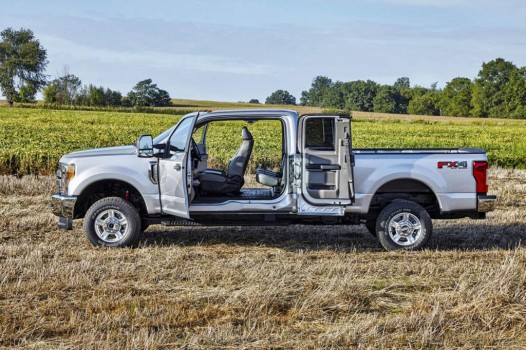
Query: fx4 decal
453, 165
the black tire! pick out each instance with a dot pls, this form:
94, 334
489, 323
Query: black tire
118, 225
144, 226
371, 227
403, 225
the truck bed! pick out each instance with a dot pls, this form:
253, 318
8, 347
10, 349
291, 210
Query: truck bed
419, 150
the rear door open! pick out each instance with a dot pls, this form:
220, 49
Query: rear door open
327, 161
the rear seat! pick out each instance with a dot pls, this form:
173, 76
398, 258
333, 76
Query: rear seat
270, 178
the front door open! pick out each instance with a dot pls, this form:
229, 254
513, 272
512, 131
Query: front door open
175, 173
327, 176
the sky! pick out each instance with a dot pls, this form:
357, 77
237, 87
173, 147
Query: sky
237, 50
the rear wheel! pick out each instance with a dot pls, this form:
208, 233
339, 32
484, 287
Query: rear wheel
403, 225
112, 222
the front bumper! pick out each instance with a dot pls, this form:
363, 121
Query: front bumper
63, 206
486, 203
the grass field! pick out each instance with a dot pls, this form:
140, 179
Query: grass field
298, 287
33, 140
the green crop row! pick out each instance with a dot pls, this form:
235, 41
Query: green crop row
33, 140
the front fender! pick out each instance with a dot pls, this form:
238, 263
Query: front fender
137, 179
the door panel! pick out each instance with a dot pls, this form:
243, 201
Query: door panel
174, 172
326, 172
173, 184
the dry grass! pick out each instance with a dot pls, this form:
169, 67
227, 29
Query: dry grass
305, 287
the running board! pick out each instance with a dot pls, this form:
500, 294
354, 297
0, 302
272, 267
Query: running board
183, 222
306, 208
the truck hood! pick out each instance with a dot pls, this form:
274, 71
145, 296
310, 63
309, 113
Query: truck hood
99, 152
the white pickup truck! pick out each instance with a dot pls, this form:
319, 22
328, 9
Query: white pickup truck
322, 180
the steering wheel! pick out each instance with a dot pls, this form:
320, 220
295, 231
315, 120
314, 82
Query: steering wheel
195, 151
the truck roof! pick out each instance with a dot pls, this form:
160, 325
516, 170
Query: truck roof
259, 113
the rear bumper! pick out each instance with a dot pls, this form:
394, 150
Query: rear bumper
63, 206
486, 203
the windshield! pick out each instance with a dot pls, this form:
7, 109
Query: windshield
163, 136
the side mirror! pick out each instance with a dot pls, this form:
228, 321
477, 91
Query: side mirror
145, 146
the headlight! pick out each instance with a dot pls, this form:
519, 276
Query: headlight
70, 172
64, 174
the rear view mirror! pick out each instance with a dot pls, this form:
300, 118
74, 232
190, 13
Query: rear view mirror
145, 146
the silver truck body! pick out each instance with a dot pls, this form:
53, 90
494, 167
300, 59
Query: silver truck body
358, 182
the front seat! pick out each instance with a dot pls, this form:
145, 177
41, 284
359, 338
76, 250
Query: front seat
220, 182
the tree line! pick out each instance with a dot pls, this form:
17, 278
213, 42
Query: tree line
499, 90
23, 61
68, 90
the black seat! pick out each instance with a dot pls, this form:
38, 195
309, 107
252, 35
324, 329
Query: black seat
220, 182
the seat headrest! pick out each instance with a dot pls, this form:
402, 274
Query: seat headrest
245, 134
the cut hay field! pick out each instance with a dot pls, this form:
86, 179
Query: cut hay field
33, 140
298, 287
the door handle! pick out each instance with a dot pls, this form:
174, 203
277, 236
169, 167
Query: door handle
177, 167
330, 167
323, 167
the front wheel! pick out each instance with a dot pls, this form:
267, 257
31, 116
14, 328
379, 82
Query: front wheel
370, 225
112, 222
403, 225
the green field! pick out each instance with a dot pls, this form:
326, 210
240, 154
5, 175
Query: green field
33, 140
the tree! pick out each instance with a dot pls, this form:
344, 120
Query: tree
456, 98
22, 64
281, 97
515, 94
402, 83
96, 96
112, 98
62, 90
162, 98
360, 95
315, 96
254, 100
50, 93
404, 94
145, 93
334, 97
489, 88
426, 104
27, 94
392, 99
385, 100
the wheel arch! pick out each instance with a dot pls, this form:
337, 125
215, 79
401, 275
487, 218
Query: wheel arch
109, 188
409, 189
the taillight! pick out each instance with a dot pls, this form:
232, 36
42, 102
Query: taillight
480, 173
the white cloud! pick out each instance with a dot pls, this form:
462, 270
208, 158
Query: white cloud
70, 51
437, 3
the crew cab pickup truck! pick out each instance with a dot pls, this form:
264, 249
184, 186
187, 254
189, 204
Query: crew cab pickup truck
322, 180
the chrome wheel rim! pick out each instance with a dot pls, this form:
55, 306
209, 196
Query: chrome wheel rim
405, 229
111, 225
